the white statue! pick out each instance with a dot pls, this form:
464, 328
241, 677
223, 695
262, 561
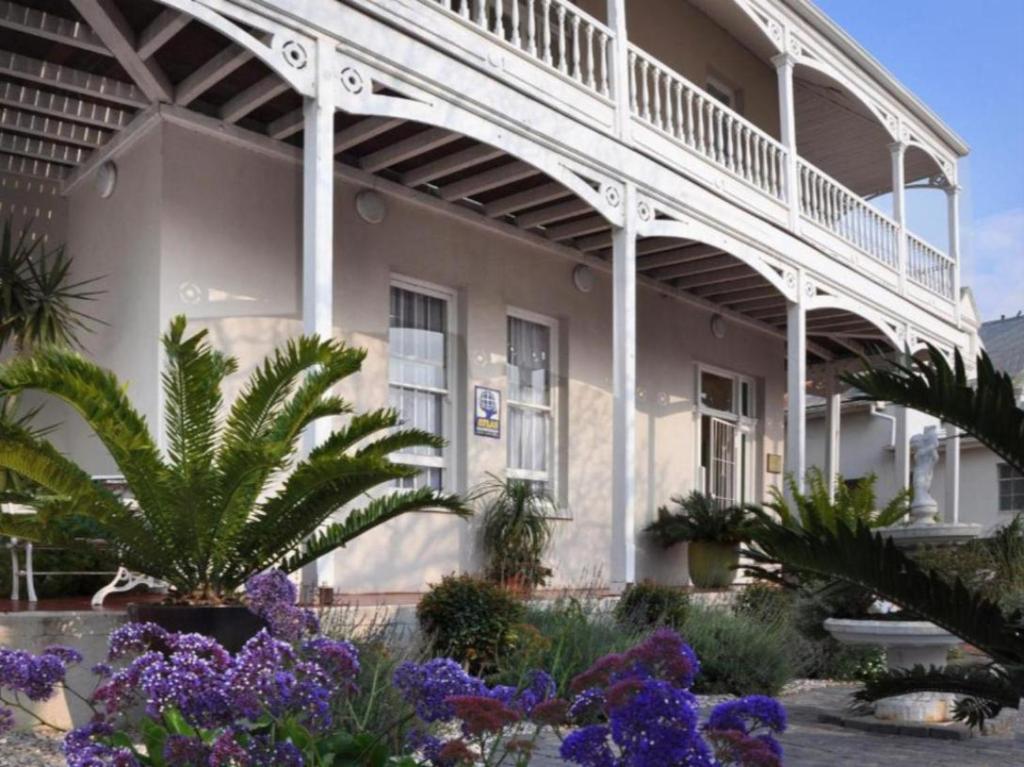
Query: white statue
924, 508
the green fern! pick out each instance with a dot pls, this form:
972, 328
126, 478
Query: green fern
229, 496
850, 504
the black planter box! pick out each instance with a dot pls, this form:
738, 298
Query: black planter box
231, 625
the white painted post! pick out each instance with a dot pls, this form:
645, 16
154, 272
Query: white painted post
833, 416
953, 214
784, 64
902, 447
623, 555
318, 229
620, 66
952, 474
898, 151
796, 388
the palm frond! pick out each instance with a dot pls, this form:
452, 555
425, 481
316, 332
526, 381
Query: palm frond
374, 514
988, 411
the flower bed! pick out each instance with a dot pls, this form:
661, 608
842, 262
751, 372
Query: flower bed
181, 700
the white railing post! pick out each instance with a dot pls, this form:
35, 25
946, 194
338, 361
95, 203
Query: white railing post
899, 208
953, 200
796, 387
620, 66
623, 554
784, 63
318, 228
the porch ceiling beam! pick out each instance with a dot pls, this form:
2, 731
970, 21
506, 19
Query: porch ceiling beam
64, 107
579, 228
706, 265
362, 131
287, 125
554, 213
453, 163
872, 333
681, 254
732, 279
113, 29
489, 179
840, 323
252, 98
32, 21
211, 73
86, 83
25, 166
39, 149
526, 199
407, 148
160, 31
51, 128
768, 314
766, 290
850, 346
750, 303
652, 245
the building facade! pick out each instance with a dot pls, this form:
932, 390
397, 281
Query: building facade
600, 246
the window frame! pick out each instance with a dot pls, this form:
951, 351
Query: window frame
553, 475
747, 437
449, 395
1012, 478
713, 83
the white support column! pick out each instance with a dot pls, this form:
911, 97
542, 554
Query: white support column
902, 447
318, 233
784, 64
953, 201
898, 152
833, 416
620, 66
952, 474
623, 554
796, 388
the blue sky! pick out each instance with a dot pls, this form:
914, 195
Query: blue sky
966, 61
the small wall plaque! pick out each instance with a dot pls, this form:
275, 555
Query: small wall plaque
774, 463
487, 412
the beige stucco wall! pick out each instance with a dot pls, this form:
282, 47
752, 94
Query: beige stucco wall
228, 231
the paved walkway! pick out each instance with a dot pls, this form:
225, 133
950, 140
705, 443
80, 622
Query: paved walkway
808, 743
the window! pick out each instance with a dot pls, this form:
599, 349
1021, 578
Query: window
722, 92
727, 436
418, 376
1011, 488
531, 423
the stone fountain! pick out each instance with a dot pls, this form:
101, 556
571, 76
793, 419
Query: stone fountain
910, 643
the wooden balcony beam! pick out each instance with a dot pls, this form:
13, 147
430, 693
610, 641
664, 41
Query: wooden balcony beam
527, 199
49, 26
579, 228
252, 98
95, 86
20, 165
51, 104
39, 149
453, 163
51, 128
406, 149
554, 213
488, 180
211, 73
160, 31
364, 130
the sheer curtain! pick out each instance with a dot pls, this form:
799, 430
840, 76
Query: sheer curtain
529, 401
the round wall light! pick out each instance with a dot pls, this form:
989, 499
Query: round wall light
370, 206
583, 278
106, 179
718, 326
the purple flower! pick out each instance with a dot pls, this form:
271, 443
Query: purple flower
338, 659
6, 720
183, 751
429, 684
135, 638
658, 726
84, 747
34, 676
589, 747
587, 706
227, 751
748, 714
271, 595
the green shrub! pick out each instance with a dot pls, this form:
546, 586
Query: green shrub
738, 654
765, 602
516, 532
469, 619
564, 638
648, 605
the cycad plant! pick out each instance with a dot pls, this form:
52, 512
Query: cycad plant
516, 532
853, 553
700, 517
229, 497
850, 505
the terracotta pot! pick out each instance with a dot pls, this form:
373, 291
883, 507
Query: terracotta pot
712, 564
231, 625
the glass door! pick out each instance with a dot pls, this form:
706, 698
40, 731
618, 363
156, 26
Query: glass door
722, 469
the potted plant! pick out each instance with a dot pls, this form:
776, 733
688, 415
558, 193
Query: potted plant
714, 533
229, 497
516, 533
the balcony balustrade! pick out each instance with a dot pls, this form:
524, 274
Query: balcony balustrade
557, 36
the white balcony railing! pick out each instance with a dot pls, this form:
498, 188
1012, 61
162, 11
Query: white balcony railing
553, 32
672, 104
929, 267
831, 205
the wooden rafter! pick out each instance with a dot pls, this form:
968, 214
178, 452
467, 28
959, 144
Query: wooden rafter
113, 29
488, 180
26, 166
252, 98
407, 148
682, 254
32, 21
579, 228
51, 128
86, 83
52, 104
736, 277
160, 31
211, 73
287, 125
453, 163
40, 149
364, 130
554, 213
529, 198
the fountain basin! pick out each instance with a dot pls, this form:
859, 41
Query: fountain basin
933, 534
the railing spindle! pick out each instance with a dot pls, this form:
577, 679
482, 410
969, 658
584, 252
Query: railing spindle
590, 57
547, 32
563, 64
577, 72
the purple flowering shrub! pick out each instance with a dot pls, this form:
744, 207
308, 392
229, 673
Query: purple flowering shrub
635, 709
